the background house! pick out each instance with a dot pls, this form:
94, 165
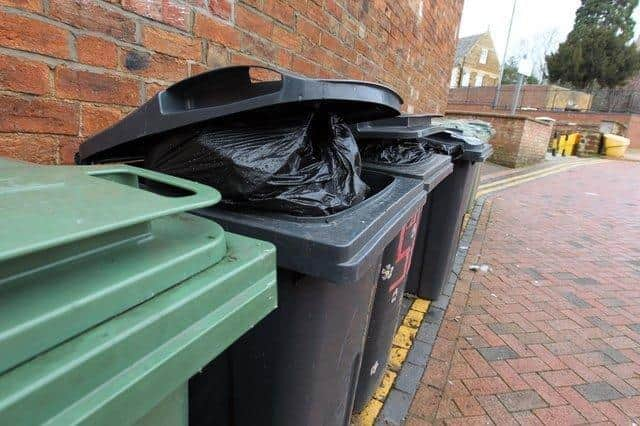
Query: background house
476, 62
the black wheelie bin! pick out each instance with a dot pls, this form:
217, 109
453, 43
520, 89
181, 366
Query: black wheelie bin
391, 154
439, 228
474, 128
300, 365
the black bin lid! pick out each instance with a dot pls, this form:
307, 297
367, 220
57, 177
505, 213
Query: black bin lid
232, 90
412, 127
402, 127
472, 148
431, 172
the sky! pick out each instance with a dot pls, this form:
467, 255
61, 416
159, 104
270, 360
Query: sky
533, 19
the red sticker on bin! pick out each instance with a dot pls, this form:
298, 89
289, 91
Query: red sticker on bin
404, 250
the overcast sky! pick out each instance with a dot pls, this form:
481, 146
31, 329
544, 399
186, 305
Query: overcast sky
532, 18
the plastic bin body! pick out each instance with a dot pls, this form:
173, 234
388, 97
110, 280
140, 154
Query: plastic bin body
562, 143
396, 264
301, 364
307, 355
109, 306
439, 229
615, 146
385, 312
474, 189
571, 144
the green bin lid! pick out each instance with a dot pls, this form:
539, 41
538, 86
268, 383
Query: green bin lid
47, 206
80, 245
118, 371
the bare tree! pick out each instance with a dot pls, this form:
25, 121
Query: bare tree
537, 48
548, 42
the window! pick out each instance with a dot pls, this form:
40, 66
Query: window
455, 75
484, 54
466, 77
478, 80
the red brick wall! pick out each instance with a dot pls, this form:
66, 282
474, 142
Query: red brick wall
69, 68
518, 141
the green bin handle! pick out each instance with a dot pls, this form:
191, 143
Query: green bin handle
198, 196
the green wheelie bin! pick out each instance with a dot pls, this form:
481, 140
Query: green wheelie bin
112, 297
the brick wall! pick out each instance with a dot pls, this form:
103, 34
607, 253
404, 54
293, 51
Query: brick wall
630, 121
534, 142
518, 141
69, 68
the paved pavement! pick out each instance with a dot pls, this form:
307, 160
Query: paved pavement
632, 154
550, 333
489, 168
490, 172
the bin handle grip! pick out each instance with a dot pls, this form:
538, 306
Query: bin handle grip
193, 194
225, 86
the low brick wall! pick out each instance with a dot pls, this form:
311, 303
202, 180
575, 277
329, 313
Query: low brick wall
519, 141
631, 121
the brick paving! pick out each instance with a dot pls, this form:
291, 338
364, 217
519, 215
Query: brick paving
551, 333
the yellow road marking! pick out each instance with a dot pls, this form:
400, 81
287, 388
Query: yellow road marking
524, 175
402, 342
413, 319
404, 336
396, 357
420, 305
527, 178
368, 414
385, 385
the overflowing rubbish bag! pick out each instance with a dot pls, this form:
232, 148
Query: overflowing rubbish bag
444, 143
304, 164
476, 128
398, 153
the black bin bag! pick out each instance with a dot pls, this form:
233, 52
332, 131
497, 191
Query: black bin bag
436, 143
395, 152
306, 164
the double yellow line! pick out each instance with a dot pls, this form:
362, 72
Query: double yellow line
508, 182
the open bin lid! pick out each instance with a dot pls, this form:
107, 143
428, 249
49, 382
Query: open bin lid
412, 127
232, 90
82, 244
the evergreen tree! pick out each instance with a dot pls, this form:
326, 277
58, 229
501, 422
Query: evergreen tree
510, 72
598, 51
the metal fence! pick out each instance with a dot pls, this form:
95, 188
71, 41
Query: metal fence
548, 98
